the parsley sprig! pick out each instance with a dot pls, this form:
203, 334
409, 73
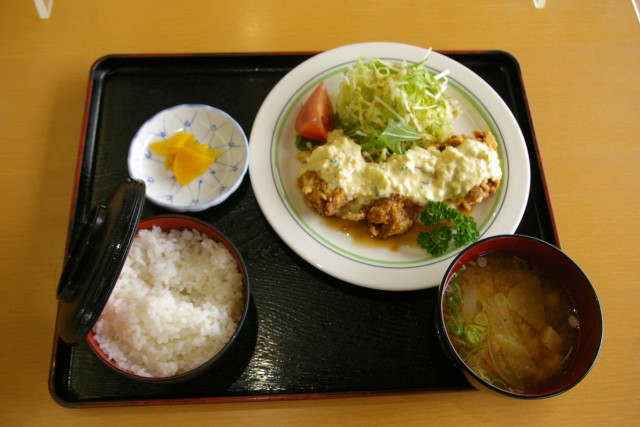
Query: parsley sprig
449, 224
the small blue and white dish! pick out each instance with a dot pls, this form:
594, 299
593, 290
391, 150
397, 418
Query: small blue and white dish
210, 126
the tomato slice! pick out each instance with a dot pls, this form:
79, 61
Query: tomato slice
316, 118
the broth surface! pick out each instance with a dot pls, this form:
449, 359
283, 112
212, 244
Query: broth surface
510, 321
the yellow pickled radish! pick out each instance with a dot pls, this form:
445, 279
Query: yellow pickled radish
185, 157
170, 146
190, 163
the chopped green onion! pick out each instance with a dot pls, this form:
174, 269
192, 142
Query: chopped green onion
472, 336
477, 328
455, 328
481, 319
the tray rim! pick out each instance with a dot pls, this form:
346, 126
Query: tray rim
92, 99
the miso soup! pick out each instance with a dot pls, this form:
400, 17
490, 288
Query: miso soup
510, 322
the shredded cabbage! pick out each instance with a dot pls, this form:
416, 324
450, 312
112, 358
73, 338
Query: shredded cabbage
388, 108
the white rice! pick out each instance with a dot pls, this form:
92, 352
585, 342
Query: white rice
177, 302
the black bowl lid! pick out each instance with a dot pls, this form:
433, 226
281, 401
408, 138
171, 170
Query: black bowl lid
95, 259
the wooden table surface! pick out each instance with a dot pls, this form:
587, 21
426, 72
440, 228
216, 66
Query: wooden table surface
581, 68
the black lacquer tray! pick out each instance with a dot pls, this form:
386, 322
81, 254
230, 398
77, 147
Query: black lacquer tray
308, 335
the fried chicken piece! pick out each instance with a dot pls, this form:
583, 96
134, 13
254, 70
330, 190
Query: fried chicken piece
318, 195
476, 195
480, 192
390, 216
482, 136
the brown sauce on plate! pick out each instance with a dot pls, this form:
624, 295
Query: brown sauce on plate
361, 236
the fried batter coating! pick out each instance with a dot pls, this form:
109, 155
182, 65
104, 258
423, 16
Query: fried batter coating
318, 195
391, 216
480, 192
483, 136
394, 215
476, 195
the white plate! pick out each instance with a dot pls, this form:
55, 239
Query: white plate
274, 169
210, 126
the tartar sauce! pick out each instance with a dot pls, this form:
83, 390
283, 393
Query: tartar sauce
420, 174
